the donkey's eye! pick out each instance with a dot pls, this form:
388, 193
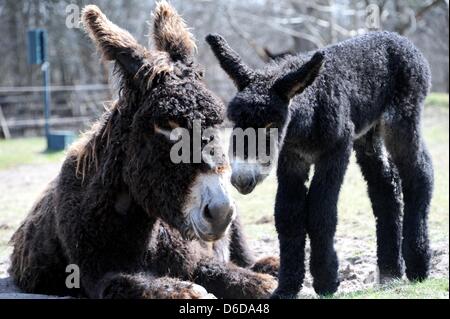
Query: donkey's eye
173, 125
166, 130
159, 130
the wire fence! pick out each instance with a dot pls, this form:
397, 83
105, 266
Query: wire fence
72, 108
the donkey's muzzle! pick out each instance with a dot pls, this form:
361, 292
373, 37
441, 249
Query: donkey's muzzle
219, 216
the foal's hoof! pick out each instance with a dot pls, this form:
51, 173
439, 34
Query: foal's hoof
417, 276
387, 275
325, 289
384, 279
279, 294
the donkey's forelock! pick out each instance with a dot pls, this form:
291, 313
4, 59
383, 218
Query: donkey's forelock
171, 34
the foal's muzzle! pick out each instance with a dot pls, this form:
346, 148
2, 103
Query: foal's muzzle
245, 184
246, 176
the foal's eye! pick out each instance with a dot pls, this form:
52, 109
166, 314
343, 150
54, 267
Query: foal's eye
266, 164
199, 74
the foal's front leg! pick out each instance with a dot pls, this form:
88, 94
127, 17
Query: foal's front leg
322, 218
290, 222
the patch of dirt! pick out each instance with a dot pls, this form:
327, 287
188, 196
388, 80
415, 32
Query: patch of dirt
356, 271
265, 220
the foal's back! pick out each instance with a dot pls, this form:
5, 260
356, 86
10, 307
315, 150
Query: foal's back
366, 77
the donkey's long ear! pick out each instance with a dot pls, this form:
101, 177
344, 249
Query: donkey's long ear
114, 43
171, 33
230, 61
296, 81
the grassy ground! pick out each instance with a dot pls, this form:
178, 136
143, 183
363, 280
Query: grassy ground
26, 151
430, 289
438, 99
356, 229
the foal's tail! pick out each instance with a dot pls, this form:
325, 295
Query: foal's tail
412, 72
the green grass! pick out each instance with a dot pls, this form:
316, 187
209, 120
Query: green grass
437, 99
429, 289
22, 151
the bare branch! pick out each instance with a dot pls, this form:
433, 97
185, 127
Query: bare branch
276, 26
260, 51
422, 11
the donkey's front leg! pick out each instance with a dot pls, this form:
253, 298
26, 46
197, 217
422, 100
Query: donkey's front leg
290, 222
241, 255
322, 217
233, 282
118, 285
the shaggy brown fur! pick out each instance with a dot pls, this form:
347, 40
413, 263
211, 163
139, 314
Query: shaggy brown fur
170, 33
116, 207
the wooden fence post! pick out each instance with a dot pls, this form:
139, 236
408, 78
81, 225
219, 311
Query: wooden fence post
4, 125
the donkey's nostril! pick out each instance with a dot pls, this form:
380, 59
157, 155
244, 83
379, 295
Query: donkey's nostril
218, 214
207, 212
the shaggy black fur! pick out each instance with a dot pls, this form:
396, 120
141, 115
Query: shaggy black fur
368, 96
115, 209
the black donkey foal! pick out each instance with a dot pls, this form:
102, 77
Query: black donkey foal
366, 93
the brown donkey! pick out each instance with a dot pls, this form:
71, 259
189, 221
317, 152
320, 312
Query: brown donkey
136, 224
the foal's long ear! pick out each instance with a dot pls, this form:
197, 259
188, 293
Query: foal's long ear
230, 61
297, 81
171, 33
114, 43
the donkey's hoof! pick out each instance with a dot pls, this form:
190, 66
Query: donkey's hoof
259, 286
201, 292
268, 265
181, 290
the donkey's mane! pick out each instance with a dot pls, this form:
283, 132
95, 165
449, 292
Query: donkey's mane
88, 146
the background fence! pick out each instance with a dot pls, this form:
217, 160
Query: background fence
256, 29
73, 108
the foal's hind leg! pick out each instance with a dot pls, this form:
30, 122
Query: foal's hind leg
405, 144
384, 191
